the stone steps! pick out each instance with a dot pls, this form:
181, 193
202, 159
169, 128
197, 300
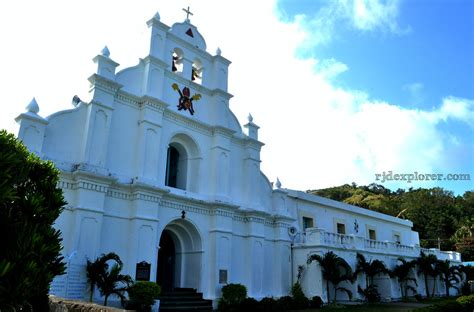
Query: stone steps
184, 299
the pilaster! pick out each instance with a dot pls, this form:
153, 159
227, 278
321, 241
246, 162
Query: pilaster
220, 260
32, 128
158, 37
149, 139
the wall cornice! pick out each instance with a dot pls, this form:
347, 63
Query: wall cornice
104, 83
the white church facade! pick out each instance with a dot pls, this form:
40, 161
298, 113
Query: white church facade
156, 168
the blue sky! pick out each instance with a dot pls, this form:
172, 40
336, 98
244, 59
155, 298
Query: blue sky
413, 55
429, 53
341, 89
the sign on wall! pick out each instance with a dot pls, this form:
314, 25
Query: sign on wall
143, 271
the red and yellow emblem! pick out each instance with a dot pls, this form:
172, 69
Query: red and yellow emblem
185, 98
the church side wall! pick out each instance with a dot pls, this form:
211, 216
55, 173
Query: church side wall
64, 136
325, 217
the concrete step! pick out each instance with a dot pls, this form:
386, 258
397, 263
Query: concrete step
184, 299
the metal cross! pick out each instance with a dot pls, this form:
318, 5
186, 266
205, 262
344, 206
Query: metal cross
188, 12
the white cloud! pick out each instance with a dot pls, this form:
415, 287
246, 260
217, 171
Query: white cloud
369, 15
323, 26
457, 108
316, 134
330, 68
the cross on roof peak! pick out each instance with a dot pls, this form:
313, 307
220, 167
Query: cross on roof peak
188, 12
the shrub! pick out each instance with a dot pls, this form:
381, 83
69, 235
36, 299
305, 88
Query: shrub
249, 304
299, 298
418, 297
316, 302
234, 293
30, 202
143, 295
223, 306
285, 303
467, 302
371, 293
232, 296
465, 288
269, 305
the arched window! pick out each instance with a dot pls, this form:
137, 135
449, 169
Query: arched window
196, 73
176, 61
172, 166
182, 163
176, 167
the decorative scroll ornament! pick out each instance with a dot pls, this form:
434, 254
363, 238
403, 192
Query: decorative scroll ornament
185, 100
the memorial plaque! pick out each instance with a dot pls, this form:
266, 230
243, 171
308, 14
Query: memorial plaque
222, 276
143, 271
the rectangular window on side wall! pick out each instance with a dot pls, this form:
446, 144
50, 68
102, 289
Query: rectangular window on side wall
341, 228
397, 239
372, 234
307, 223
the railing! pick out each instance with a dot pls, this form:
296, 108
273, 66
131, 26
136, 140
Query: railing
337, 239
320, 237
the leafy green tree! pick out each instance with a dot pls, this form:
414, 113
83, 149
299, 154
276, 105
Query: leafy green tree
30, 202
426, 266
374, 197
464, 238
335, 270
435, 214
450, 275
402, 272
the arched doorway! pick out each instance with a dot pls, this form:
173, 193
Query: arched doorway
179, 256
166, 262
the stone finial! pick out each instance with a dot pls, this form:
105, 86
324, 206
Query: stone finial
33, 107
251, 128
105, 51
156, 16
218, 51
278, 183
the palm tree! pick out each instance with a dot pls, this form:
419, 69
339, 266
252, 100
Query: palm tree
98, 274
449, 274
95, 270
426, 265
114, 283
335, 270
402, 273
370, 268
